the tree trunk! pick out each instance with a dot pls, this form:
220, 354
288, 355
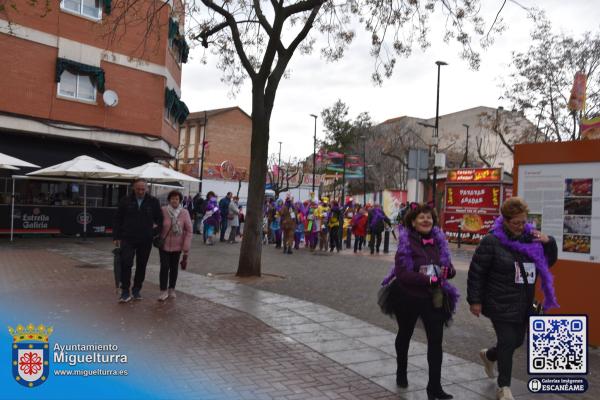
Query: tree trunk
250, 255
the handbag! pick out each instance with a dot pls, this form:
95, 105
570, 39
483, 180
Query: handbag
441, 301
388, 297
159, 241
535, 307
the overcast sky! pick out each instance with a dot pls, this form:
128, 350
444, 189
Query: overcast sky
315, 84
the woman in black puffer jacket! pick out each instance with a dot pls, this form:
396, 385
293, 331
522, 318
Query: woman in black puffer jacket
496, 287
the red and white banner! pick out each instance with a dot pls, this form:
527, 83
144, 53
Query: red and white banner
483, 199
473, 226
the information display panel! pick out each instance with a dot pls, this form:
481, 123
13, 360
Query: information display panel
564, 201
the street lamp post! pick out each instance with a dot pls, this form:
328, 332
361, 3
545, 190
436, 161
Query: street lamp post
343, 180
467, 147
314, 154
426, 125
279, 163
436, 132
202, 155
364, 138
279, 168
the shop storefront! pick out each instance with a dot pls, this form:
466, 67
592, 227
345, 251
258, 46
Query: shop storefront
54, 206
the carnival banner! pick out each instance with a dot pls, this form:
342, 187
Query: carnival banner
473, 227
475, 175
484, 199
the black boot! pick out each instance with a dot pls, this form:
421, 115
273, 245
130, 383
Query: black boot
435, 394
290, 250
401, 380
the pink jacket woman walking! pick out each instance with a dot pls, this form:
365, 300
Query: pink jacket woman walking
177, 234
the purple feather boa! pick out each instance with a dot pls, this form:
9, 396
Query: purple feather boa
407, 260
377, 216
535, 252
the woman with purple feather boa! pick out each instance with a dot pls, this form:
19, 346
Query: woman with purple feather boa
421, 271
501, 284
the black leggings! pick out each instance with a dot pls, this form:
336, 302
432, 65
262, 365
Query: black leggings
334, 238
433, 320
169, 266
510, 336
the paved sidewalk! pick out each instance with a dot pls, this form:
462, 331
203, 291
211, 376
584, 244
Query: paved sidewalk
192, 344
293, 349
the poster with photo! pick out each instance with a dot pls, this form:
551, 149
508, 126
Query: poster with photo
564, 201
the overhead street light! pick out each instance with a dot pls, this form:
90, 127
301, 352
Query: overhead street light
314, 154
436, 131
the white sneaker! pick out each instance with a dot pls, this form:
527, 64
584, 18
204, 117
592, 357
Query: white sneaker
504, 393
163, 295
172, 293
488, 366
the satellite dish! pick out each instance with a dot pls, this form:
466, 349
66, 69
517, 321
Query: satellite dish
110, 98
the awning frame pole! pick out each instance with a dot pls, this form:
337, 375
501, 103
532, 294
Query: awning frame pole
12, 212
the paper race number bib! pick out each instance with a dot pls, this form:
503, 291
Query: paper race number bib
292, 215
529, 270
430, 270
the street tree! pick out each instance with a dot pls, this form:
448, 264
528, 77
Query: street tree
341, 132
284, 177
256, 40
541, 79
345, 135
241, 176
501, 130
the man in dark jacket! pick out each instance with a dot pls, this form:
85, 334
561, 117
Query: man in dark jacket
138, 219
224, 210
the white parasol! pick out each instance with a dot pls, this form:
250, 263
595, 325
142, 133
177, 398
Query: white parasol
154, 172
84, 167
10, 161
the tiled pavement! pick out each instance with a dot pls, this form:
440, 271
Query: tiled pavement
299, 350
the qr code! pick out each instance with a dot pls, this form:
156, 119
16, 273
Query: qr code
558, 344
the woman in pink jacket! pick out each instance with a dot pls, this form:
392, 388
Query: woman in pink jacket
177, 233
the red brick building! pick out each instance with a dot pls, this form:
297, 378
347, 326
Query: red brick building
56, 64
227, 135
75, 82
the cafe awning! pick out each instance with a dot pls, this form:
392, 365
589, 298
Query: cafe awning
154, 172
84, 167
11, 161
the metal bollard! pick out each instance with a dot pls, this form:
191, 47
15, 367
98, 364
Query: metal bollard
386, 241
459, 236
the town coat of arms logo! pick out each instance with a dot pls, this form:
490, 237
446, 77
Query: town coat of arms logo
30, 354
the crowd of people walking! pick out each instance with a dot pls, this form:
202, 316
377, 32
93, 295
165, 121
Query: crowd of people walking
324, 225
501, 278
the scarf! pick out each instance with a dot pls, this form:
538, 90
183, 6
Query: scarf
174, 214
406, 260
535, 252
